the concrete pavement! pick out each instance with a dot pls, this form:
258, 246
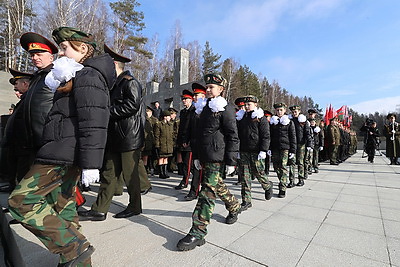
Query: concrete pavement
346, 215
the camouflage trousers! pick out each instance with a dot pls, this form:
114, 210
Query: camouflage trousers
212, 185
250, 168
44, 203
302, 162
280, 161
315, 156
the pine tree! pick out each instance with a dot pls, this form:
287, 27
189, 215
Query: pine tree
211, 61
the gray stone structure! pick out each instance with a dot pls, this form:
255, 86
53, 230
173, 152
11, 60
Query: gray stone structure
169, 94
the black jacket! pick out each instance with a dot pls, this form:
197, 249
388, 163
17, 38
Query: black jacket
218, 137
185, 116
303, 133
35, 107
126, 126
283, 137
318, 137
75, 132
254, 134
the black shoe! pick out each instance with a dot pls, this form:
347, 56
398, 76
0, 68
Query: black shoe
6, 210
245, 205
237, 183
86, 188
300, 183
268, 193
282, 194
334, 163
14, 221
82, 257
232, 217
91, 215
126, 213
181, 186
291, 184
189, 242
316, 171
6, 188
190, 197
117, 194
144, 192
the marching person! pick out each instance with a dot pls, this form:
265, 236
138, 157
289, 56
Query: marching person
268, 114
392, 133
304, 146
182, 141
283, 144
254, 136
219, 145
74, 138
199, 101
124, 142
318, 144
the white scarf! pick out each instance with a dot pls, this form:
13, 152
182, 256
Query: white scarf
64, 69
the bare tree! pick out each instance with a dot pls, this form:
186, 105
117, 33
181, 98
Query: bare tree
195, 56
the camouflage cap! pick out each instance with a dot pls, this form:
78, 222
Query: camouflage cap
215, 79
172, 111
280, 105
62, 34
250, 98
312, 111
166, 113
295, 107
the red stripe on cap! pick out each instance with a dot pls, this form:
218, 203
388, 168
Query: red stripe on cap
39, 46
196, 91
187, 96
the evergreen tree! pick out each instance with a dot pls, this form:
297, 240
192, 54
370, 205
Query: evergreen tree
211, 61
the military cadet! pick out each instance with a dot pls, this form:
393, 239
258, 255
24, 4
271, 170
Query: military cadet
199, 101
254, 136
283, 144
164, 142
124, 141
372, 139
14, 149
147, 152
392, 133
333, 140
38, 100
73, 143
219, 145
175, 161
304, 146
268, 114
183, 137
318, 144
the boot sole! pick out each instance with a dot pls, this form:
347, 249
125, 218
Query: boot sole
199, 243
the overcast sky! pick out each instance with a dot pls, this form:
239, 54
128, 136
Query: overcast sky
343, 52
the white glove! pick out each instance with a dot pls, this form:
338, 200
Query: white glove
321, 148
90, 176
238, 155
197, 164
269, 153
309, 148
262, 155
229, 169
291, 155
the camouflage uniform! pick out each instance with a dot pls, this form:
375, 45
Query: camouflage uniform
212, 185
279, 162
250, 167
44, 203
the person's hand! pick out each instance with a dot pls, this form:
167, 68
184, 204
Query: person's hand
269, 153
229, 169
309, 148
197, 164
262, 155
90, 176
321, 148
291, 155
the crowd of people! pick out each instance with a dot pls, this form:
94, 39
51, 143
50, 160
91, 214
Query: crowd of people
81, 119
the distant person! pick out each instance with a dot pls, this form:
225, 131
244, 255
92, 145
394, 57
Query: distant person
371, 140
164, 142
392, 133
157, 111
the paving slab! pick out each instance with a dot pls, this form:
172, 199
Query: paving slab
346, 215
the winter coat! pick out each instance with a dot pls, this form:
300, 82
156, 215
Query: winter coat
303, 133
148, 136
75, 132
127, 115
164, 138
254, 134
183, 137
35, 107
218, 138
392, 146
318, 137
283, 137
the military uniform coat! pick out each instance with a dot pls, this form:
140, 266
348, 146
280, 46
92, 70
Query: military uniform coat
164, 138
392, 146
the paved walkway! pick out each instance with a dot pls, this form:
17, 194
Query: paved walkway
347, 215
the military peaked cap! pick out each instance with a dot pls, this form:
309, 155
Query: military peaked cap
36, 43
115, 56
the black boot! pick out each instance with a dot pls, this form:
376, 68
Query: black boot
161, 173
189, 242
165, 172
291, 184
301, 182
